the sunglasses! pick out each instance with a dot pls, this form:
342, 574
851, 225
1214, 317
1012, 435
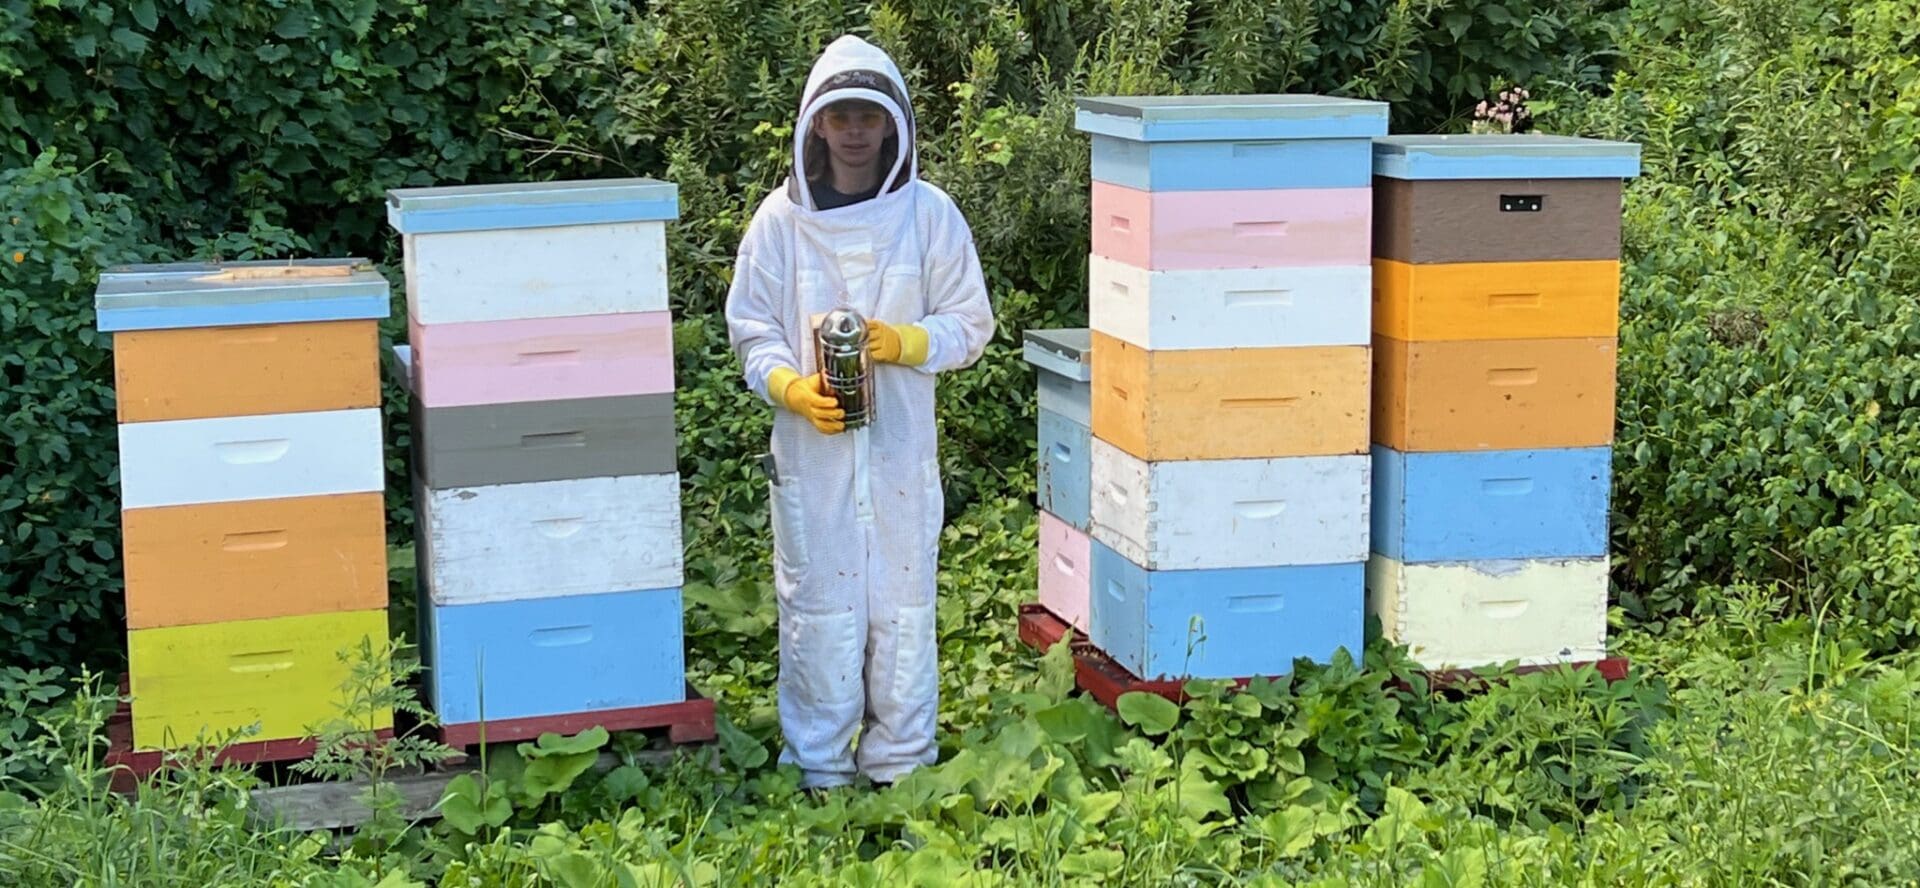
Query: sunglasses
847, 118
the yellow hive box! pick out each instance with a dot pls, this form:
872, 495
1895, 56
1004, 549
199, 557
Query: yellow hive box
284, 674
1230, 403
1568, 299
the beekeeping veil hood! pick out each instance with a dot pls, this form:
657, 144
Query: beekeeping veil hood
852, 68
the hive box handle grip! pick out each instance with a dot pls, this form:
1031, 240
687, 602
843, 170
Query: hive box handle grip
241, 453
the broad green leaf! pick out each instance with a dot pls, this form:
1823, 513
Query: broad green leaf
574, 869
1200, 796
589, 740
623, 784
740, 747
1094, 807
1290, 830
1151, 713
1097, 862
467, 807
143, 14
552, 773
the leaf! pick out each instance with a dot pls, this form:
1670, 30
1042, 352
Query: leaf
552, 774
1098, 862
1291, 830
574, 869
740, 747
1200, 796
466, 807
589, 740
128, 39
1067, 722
1094, 807
624, 784
144, 15
1151, 713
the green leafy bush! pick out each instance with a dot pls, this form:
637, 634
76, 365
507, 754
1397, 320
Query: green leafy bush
1767, 402
205, 130
59, 504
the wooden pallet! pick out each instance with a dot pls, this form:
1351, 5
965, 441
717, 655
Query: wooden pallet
689, 721
1099, 675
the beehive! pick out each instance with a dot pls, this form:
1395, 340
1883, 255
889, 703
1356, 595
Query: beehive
1229, 297
546, 487
251, 490
1496, 302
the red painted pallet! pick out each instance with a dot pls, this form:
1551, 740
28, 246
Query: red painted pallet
1106, 680
129, 766
689, 721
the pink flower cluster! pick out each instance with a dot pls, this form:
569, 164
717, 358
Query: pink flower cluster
1509, 110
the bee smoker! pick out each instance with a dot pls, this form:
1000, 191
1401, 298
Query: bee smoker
840, 348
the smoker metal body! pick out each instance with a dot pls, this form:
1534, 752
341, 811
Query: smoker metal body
840, 350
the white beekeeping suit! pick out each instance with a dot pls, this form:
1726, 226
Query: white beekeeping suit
857, 515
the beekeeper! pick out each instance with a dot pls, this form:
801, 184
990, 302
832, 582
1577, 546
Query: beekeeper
856, 513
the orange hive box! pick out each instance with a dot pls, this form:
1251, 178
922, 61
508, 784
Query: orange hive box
1492, 394
203, 372
1233, 403
255, 559
1496, 300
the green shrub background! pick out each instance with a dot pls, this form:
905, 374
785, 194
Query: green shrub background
1767, 374
1764, 526
199, 130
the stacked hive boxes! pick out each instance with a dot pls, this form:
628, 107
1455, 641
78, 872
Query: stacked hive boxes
1064, 473
547, 500
1228, 304
1496, 293
251, 481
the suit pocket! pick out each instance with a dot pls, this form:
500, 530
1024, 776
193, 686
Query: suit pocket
789, 525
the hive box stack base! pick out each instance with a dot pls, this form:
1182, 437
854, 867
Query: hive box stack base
251, 491
1060, 361
1228, 304
545, 484
1496, 298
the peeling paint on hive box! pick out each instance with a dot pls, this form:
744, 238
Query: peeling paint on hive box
1193, 514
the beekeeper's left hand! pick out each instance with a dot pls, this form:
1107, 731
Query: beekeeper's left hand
896, 345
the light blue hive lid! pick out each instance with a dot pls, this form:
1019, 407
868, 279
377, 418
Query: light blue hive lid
1230, 118
225, 294
531, 205
1501, 156
1067, 351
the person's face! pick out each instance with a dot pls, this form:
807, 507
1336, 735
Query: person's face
853, 131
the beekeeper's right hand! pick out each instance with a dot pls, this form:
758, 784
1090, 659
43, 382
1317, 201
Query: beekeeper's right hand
807, 396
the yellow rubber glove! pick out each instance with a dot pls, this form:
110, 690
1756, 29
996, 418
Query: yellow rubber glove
906, 344
806, 395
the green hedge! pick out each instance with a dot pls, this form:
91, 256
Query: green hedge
198, 130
